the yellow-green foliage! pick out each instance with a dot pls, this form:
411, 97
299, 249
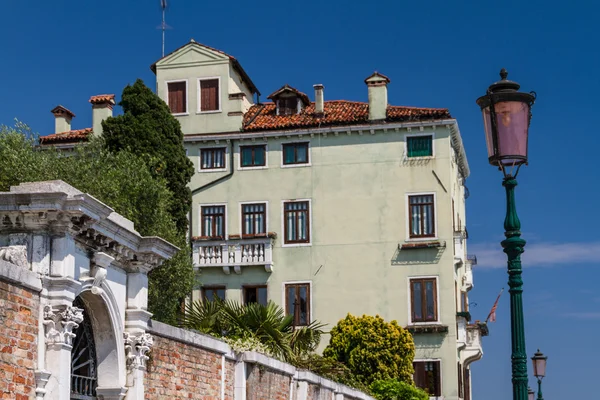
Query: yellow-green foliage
372, 348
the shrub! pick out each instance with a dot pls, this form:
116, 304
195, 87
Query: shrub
392, 389
372, 348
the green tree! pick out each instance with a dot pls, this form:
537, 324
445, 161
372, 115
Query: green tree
372, 348
148, 129
392, 389
255, 323
123, 181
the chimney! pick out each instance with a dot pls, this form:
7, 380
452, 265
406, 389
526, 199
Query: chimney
102, 108
377, 84
62, 119
319, 107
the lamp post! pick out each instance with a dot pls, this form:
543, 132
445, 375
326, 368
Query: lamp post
539, 370
506, 117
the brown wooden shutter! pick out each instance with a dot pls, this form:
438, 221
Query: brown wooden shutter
438, 378
460, 380
209, 96
419, 375
177, 97
467, 387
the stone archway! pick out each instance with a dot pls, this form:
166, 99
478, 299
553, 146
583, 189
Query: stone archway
105, 324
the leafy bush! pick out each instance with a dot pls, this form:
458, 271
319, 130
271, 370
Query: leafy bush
121, 180
392, 389
372, 348
252, 323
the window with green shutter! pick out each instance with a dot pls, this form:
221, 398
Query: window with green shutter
420, 146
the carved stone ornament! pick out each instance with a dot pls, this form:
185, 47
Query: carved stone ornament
136, 348
99, 278
15, 255
60, 323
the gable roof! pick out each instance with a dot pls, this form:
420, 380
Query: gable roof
288, 88
263, 117
236, 64
73, 136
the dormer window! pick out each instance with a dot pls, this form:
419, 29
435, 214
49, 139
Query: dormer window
287, 105
289, 101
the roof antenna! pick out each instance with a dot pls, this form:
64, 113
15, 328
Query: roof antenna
163, 26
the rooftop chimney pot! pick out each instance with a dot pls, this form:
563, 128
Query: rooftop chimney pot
319, 101
102, 108
378, 102
62, 119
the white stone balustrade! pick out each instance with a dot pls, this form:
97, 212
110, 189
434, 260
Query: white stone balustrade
236, 253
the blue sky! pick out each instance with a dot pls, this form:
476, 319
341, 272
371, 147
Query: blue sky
437, 54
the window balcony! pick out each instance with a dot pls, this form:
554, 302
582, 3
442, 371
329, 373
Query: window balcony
235, 252
473, 350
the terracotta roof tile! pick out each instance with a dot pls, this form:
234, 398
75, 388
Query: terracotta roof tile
336, 112
103, 98
74, 136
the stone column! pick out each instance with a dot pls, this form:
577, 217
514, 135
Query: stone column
137, 341
59, 323
136, 349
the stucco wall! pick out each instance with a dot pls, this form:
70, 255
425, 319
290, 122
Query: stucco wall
358, 186
19, 311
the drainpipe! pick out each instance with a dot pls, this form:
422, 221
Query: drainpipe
209, 184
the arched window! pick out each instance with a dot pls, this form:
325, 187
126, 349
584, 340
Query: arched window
84, 374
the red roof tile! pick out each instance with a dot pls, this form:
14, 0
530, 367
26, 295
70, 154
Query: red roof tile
74, 136
262, 117
103, 98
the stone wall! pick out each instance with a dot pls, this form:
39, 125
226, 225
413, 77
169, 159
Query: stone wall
19, 310
188, 365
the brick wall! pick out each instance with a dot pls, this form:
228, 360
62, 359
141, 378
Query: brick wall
19, 309
265, 383
188, 365
316, 392
181, 371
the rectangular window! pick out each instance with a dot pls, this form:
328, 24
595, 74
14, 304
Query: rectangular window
422, 219
209, 95
254, 219
295, 153
467, 385
297, 302
177, 97
296, 219
255, 294
464, 300
213, 221
423, 300
427, 377
419, 146
253, 156
212, 293
212, 158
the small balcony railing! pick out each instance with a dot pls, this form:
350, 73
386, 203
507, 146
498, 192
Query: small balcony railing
235, 252
83, 387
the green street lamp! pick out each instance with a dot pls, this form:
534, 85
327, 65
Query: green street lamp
539, 370
506, 117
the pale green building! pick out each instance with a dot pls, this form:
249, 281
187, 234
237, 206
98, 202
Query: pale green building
327, 207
